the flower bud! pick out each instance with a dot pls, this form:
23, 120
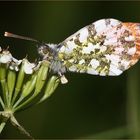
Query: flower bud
3, 69
5, 57
50, 88
27, 89
42, 75
11, 79
20, 79
29, 86
63, 79
14, 65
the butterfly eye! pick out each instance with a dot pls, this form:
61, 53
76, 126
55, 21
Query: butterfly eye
43, 50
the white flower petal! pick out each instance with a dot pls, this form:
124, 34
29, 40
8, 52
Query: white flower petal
28, 67
5, 57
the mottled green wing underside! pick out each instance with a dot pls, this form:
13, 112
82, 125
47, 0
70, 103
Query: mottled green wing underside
104, 47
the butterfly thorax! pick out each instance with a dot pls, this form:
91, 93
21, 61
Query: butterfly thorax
49, 52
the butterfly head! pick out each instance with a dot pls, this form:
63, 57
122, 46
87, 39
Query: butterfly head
44, 50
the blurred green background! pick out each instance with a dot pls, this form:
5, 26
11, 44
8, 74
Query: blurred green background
88, 106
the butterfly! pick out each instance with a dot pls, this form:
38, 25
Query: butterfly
106, 47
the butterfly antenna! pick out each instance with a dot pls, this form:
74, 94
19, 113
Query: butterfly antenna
7, 34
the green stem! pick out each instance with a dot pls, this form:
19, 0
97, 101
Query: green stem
19, 82
11, 78
3, 70
2, 103
50, 88
2, 126
3, 123
5, 91
39, 83
18, 102
28, 88
26, 102
19, 127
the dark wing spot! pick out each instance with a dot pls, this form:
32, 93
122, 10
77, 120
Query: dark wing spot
107, 22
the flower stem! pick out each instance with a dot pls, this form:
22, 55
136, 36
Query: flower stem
50, 88
3, 70
19, 82
2, 103
5, 91
19, 127
26, 102
2, 126
3, 123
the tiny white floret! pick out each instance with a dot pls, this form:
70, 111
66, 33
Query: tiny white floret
5, 57
14, 64
28, 67
63, 79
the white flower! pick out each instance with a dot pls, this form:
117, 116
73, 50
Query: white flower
28, 67
14, 64
5, 57
63, 79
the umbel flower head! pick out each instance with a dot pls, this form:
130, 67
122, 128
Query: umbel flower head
21, 81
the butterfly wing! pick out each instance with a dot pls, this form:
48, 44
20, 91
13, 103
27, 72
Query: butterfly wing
105, 47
